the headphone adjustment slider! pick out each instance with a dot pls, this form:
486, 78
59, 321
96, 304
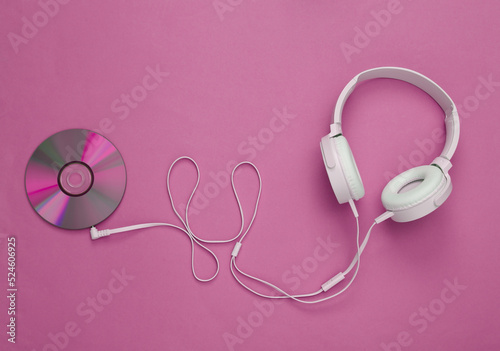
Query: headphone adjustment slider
443, 163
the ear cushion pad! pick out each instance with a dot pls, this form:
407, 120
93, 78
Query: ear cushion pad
431, 178
351, 173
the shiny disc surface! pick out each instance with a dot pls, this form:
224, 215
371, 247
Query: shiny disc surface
75, 179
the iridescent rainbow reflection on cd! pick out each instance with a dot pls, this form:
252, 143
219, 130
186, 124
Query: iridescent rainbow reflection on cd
75, 179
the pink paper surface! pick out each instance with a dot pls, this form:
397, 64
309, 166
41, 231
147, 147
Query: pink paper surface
227, 81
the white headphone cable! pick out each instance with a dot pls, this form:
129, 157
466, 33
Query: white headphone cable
186, 222
95, 234
325, 287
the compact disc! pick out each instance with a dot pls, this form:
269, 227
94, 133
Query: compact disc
75, 179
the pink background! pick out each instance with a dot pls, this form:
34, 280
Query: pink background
230, 69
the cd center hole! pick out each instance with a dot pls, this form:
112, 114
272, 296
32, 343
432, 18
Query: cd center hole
76, 179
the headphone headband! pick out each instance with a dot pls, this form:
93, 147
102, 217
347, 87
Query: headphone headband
452, 121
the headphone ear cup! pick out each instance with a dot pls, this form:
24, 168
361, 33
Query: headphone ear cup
422, 185
349, 168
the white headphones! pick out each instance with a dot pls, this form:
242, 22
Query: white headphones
409, 196
415, 192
